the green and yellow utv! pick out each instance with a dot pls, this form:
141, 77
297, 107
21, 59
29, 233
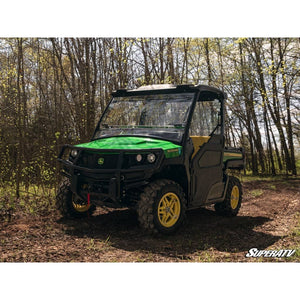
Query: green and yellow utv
158, 149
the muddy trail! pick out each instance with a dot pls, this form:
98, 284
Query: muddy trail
268, 219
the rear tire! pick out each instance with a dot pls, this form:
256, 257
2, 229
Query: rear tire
68, 205
233, 199
161, 207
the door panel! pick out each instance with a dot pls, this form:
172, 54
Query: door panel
207, 171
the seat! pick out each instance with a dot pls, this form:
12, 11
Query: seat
198, 141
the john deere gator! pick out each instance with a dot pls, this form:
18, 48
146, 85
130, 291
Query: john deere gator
159, 149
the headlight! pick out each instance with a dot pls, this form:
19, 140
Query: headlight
139, 158
151, 158
74, 153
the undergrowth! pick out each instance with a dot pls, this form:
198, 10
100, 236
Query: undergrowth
33, 200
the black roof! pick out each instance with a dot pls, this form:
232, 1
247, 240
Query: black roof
209, 91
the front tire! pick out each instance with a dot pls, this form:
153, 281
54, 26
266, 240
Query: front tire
161, 207
69, 205
233, 199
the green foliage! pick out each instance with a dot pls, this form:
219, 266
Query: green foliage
33, 200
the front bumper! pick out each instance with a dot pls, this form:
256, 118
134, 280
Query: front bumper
112, 181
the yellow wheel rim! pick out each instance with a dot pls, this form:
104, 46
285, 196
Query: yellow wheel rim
235, 196
80, 207
168, 209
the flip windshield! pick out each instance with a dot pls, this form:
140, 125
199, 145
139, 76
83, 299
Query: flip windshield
162, 116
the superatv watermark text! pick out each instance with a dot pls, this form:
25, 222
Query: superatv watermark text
254, 252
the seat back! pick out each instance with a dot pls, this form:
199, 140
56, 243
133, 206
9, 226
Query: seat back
198, 141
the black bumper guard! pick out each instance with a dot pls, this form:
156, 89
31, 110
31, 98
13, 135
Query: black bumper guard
116, 175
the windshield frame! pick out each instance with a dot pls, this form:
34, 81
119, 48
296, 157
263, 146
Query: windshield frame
143, 93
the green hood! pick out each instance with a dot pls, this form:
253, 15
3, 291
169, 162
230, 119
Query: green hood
134, 143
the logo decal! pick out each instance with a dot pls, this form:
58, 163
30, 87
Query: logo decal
254, 252
100, 161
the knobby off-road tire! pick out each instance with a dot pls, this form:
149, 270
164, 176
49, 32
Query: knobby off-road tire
67, 206
233, 199
161, 207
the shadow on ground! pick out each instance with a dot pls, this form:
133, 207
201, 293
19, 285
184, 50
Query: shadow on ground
203, 230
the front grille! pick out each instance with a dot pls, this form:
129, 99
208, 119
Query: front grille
112, 160
94, 160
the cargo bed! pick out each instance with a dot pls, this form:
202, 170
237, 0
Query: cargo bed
234, 158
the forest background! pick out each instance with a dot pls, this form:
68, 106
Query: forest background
53, 91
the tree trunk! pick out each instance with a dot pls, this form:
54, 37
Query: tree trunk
292, 164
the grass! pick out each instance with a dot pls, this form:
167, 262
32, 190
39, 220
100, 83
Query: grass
96, 245
256, 193
266, 178
206, 257
272, 187
91, 245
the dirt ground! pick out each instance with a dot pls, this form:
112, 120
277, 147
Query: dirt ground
268, 219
